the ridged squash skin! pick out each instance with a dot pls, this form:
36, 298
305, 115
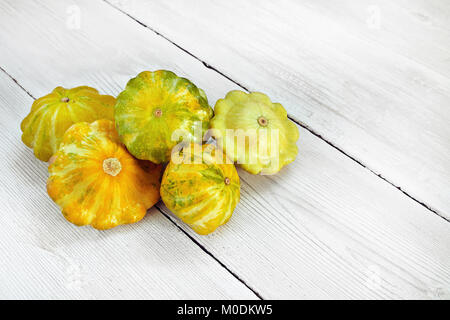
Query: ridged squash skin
203, 193
255, 115
97, 182
51, 115
152, 107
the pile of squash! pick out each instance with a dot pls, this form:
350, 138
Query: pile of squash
110, 160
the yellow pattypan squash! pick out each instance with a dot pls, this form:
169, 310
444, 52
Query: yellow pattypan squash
157, 110
97, 182
51, 115
201, 188
255, 132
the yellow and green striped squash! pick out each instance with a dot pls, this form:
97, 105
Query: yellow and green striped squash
97, 182
156, 105
254, 132
204, 192
51, 115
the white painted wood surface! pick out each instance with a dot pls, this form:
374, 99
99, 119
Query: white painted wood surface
325, 227
370, 76
43, 256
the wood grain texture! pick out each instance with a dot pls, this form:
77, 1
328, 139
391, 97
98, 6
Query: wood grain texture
45, 257
324, 227
371, 77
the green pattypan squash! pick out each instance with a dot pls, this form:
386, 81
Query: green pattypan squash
255, 132
202, 192
51, 115
156, 111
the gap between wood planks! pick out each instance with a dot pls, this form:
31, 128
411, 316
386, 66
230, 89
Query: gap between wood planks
210, 254
306, 127
164, 214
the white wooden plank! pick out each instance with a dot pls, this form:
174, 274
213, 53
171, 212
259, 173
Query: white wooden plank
323, 228
45, 257
372, 77
418, 30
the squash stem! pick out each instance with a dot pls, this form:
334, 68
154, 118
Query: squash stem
112, 166
158, 113
262, 121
